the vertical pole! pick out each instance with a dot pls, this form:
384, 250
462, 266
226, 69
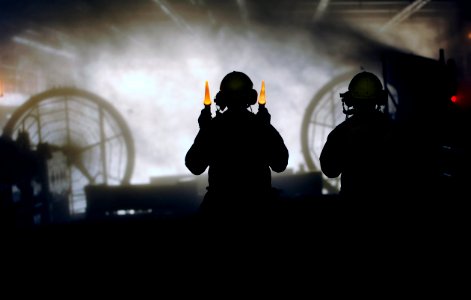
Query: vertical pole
69, 140
103, 147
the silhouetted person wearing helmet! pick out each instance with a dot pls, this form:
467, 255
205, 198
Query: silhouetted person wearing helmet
240, 148
362, 149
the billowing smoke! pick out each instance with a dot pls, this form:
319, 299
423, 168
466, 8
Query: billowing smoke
157, 83
155, 77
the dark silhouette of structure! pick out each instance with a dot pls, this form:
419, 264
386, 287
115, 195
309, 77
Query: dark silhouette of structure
240, 148
433, 128
18, 167
362, 149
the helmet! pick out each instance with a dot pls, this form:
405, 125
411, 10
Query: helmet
365, 87
236, 86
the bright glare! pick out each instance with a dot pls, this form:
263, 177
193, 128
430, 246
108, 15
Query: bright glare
154, 76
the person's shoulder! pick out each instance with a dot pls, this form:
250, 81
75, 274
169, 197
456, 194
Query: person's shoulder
248, 114
343, 125
385, 120
340, 130
380, 115
219, 118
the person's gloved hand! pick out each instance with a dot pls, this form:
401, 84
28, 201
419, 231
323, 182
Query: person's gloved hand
263, 114
205, 117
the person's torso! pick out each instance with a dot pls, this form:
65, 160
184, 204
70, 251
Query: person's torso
237, 161
370, 165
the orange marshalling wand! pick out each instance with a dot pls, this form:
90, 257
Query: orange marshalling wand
207, 98
261, 99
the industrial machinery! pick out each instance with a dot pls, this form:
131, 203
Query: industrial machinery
87, 141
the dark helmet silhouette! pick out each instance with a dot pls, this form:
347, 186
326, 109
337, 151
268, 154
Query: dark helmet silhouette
364, 88
236, 88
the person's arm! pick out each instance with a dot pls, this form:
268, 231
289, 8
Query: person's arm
331, 158
197, 157
278, 154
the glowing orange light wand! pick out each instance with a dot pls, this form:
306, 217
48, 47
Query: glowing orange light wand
207, 98
261, 98
205, 116
262, 110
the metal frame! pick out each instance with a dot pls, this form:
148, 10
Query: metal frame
75, 130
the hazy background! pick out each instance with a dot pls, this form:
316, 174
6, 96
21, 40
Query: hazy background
151, 59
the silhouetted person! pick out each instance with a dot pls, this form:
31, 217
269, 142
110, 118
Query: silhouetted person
240, 148
362, 149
